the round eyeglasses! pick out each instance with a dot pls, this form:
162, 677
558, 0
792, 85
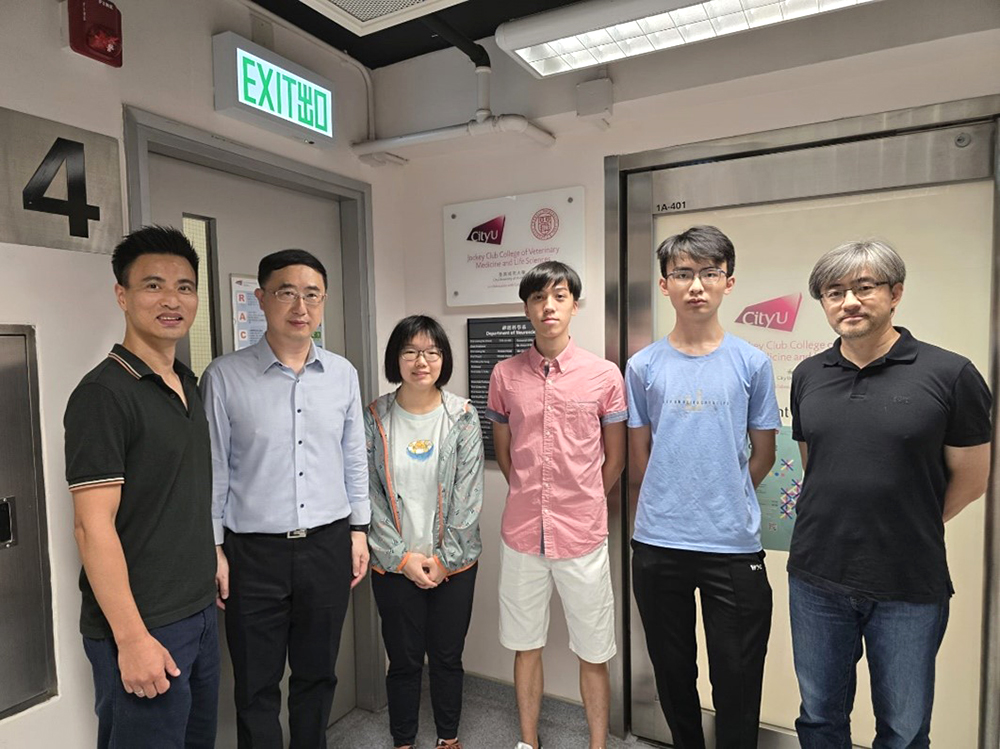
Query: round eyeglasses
430, 355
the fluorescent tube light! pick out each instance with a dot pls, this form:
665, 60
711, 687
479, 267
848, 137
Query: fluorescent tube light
595, 32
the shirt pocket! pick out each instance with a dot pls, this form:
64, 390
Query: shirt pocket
583, 419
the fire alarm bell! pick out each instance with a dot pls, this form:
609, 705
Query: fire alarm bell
95, 30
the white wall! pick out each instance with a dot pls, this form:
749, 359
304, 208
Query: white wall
941, 70
68, 297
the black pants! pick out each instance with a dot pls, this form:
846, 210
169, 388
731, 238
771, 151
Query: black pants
736, 609
287, 600
415, 622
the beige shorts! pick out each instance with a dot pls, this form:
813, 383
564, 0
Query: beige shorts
584, 586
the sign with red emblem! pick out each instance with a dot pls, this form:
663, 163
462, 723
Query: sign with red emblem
490, 244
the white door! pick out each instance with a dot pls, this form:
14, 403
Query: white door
252, 219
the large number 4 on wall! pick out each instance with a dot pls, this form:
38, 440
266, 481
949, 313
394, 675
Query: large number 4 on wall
75, 205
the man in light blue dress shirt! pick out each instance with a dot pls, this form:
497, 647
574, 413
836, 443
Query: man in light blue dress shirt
289, 505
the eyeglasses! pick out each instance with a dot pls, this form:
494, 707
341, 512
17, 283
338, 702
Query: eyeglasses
430, 355
708, 276
291, 296
862, 290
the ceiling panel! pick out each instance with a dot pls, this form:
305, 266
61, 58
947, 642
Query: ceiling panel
476, 19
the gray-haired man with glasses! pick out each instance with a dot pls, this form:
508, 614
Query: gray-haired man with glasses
290, 505
894, 435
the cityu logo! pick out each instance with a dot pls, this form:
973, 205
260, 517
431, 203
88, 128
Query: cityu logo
776, 314
490, 233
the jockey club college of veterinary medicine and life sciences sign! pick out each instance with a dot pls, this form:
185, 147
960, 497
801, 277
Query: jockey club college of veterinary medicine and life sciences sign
490, 244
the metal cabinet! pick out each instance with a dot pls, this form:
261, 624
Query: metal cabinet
27, 663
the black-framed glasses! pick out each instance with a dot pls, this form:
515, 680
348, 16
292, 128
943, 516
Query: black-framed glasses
430, 355
291, 296
861, 290
707, 276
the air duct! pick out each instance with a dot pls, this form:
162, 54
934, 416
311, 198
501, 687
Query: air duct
382, 151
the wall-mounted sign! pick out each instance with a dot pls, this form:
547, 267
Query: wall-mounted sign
60, 186
249, 323
489, 244
491, 340
255, 85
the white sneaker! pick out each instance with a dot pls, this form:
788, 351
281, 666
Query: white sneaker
522, 745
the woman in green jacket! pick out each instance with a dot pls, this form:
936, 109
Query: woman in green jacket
425, 469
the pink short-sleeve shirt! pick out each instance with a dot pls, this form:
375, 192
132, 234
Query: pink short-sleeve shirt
556, 504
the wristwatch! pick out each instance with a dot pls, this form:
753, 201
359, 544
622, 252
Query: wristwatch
360, 528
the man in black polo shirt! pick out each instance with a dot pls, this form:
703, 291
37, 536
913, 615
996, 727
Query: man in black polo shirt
138, 462
894, 435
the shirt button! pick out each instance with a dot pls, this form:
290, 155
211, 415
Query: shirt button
300, 442
300, 473
301, 505
298, 410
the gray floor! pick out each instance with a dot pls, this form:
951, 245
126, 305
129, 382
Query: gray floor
489, 721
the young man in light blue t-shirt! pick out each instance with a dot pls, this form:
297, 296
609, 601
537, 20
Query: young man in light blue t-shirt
698, 398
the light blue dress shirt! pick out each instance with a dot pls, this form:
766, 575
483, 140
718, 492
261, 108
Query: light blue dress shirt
288, 449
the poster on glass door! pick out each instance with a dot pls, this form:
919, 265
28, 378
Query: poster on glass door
490, 244
249, 323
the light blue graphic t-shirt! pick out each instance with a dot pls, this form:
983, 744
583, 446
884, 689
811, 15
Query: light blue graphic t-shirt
697, 493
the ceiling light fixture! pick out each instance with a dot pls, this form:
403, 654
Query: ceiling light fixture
596, 32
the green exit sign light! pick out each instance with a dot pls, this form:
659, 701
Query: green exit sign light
255, 85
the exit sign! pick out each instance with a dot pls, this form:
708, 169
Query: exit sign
257, 86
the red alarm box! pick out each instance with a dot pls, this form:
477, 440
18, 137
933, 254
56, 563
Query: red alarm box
95, 30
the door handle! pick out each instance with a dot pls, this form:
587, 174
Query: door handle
8, 535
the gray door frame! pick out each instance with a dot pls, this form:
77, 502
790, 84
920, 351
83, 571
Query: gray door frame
147, 133
628, 221
38, 507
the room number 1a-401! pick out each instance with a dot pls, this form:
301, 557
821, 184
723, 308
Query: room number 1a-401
677, 205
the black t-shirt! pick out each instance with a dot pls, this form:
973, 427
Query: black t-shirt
869, 517
124, 425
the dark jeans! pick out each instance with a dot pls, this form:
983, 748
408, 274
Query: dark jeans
736, 609
185, 716
829, 634
287, 600
414, 622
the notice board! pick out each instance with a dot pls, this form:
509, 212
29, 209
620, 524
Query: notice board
491, 340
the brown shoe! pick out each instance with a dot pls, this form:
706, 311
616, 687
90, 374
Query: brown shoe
456, 745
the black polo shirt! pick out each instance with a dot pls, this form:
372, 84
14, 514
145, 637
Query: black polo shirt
869, 516
125, 426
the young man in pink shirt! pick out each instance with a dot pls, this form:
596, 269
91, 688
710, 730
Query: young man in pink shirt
558, 417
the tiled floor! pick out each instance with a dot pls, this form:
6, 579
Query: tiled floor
489, 721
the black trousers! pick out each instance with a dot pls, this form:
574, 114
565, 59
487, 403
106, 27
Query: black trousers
736, 609
287, 600
414, 622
